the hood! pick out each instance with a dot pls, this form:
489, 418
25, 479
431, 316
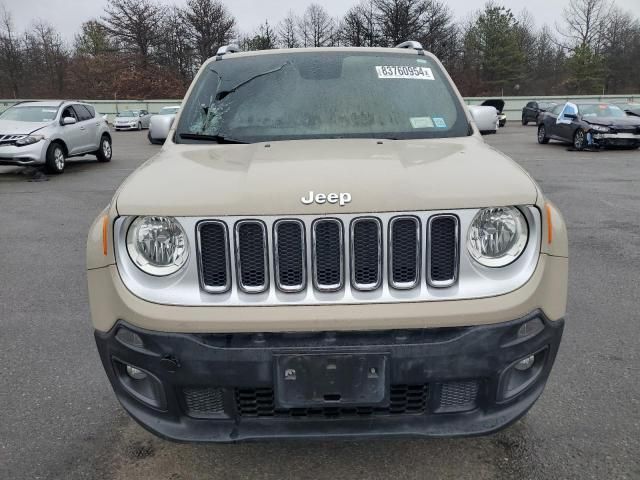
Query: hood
271, 179
21, 128
629, 121
495, 103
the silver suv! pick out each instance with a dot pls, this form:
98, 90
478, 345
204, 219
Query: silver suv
37, 133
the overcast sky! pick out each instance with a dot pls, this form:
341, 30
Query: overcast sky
67, 15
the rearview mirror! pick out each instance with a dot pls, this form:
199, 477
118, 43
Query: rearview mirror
68, 121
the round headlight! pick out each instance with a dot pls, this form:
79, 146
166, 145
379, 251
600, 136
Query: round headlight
497, 236
157, 245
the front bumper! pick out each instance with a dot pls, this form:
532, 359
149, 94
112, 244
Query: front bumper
33, 154
224, 387
125, 127
616, 139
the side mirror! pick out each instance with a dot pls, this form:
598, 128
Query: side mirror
69, 121
485, 122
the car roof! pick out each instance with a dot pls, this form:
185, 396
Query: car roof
47, 103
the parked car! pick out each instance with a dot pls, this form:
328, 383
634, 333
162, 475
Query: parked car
48, 133
498, 104
532, 110
132, 120
590, 125
486, 118
161, 123
326, 247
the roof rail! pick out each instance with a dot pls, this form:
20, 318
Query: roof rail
410, 44
231, 48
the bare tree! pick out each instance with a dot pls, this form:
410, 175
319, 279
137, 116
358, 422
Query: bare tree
584, 23
358, 27
400, 20
10, 61
134, 24
317, 28
175, 50
211, 26
287, 31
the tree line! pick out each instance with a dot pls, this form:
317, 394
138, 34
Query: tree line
141, 49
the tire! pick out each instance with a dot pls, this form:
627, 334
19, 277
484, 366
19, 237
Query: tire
139, 126
542, 135
579, 139
56, 159
525, 122
105, 152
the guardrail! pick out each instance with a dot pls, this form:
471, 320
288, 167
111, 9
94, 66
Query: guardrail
513, 105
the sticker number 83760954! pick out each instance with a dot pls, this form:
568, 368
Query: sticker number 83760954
402, 71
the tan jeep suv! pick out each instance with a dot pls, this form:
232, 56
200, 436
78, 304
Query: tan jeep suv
325, 247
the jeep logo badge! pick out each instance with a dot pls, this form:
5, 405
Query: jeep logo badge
340, 198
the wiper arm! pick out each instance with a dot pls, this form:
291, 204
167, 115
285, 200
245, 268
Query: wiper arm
210, 138
222, 94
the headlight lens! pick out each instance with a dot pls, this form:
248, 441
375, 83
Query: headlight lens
599, 128
497, 236
29, 140
157, 245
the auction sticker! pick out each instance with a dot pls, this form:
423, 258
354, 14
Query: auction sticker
403, 71
421, 122
439, 122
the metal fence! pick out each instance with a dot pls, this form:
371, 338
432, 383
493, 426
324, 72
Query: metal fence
513, 105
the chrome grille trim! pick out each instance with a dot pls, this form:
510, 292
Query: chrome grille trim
456, 262
365, 287
251, 288
314, 261
203, 285
473, 281
276, 259
416, 281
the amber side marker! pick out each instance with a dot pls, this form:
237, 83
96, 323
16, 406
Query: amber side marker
547, 209
105, 231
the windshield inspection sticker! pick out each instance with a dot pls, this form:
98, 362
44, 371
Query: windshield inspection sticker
421, 122
408, 72
439, 122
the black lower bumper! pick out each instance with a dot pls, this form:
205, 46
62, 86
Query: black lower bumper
230, 387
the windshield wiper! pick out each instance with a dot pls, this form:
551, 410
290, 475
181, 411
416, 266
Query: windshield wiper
210, 138
224, 93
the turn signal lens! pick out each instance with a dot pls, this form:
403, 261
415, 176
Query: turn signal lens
157, 245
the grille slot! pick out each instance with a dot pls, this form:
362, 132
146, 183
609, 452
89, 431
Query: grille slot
252, 256
404, 400
203, 402
442, 250
215, 271
328, 254
458, 396
366, 253
289, 255
404, 252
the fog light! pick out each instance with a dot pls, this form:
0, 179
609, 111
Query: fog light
525, 363
137, 374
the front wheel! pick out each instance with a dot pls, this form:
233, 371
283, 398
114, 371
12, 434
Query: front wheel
139, 126
105, 152
579, 139
56, 159
543, 139
525, 122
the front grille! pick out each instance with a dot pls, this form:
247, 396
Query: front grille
404, 400
290, 255
387, 252
252, 256
458, 396
215, 272
203, 402
366, 253
404, 252
328, 254
442, 256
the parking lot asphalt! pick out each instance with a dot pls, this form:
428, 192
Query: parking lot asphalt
59, 418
